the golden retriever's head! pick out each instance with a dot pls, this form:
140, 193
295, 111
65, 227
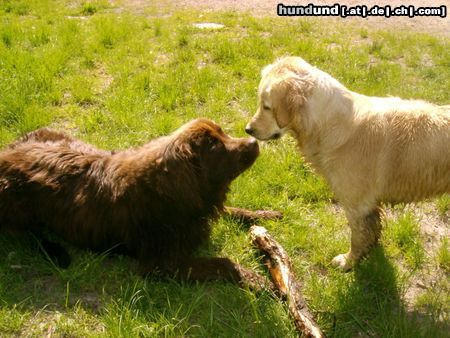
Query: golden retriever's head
284, 88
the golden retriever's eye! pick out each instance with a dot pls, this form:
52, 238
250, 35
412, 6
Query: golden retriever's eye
266, 107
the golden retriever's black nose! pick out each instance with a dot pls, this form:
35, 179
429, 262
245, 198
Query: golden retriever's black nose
249, 130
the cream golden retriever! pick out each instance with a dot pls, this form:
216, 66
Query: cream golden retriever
369, 149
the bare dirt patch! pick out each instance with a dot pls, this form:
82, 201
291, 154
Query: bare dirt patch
104, 79
433, 229
432, 25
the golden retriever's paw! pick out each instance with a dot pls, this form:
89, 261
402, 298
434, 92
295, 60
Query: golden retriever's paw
342, 262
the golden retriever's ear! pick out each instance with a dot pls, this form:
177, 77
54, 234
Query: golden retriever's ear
266, 70
293, 92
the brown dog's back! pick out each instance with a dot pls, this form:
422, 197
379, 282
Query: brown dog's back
156, 202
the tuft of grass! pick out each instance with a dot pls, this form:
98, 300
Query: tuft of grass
88, 9
364, 33
405, 235
12, 319
443, 255
435, 302
443, 205
376, 47
19, 7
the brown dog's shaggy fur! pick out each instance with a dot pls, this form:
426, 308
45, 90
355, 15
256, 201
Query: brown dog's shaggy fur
155, 202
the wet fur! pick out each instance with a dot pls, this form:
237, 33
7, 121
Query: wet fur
370, 149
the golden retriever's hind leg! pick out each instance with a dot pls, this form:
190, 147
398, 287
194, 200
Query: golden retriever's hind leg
365, 233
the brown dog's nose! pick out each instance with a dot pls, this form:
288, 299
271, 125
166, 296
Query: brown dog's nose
253, 145
253, 142
248, 151
249, 130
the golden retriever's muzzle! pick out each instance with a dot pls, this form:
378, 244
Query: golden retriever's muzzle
249, 130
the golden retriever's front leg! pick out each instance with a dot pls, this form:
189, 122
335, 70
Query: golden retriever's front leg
365, 232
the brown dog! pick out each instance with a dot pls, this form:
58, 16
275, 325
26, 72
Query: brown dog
369, 149
155, 202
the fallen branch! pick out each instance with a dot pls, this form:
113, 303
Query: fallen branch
279, 266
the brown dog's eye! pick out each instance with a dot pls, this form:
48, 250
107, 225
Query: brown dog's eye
215, 143
266, 107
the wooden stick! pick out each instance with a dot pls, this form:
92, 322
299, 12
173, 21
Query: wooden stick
280, 269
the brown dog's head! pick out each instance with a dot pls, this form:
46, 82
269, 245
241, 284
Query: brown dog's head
218, 157
283, 90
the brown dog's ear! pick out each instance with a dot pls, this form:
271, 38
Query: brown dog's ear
184, 149
176, 152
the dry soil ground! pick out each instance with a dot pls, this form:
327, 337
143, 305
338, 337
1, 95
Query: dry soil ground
434, 25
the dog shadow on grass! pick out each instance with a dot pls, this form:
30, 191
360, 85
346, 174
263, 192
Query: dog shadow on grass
108, 290
372, 304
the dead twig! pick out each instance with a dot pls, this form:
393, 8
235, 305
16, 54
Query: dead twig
279, 266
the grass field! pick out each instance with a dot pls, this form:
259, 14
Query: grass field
117, 79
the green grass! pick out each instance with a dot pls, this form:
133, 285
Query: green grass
444, 254
405, 236
443, 205
117, 79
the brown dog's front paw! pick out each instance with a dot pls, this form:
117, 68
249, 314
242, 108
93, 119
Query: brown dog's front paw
269, 214
343, 262
249, 217
254, 281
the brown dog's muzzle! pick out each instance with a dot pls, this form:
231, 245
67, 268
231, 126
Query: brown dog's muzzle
249, 151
